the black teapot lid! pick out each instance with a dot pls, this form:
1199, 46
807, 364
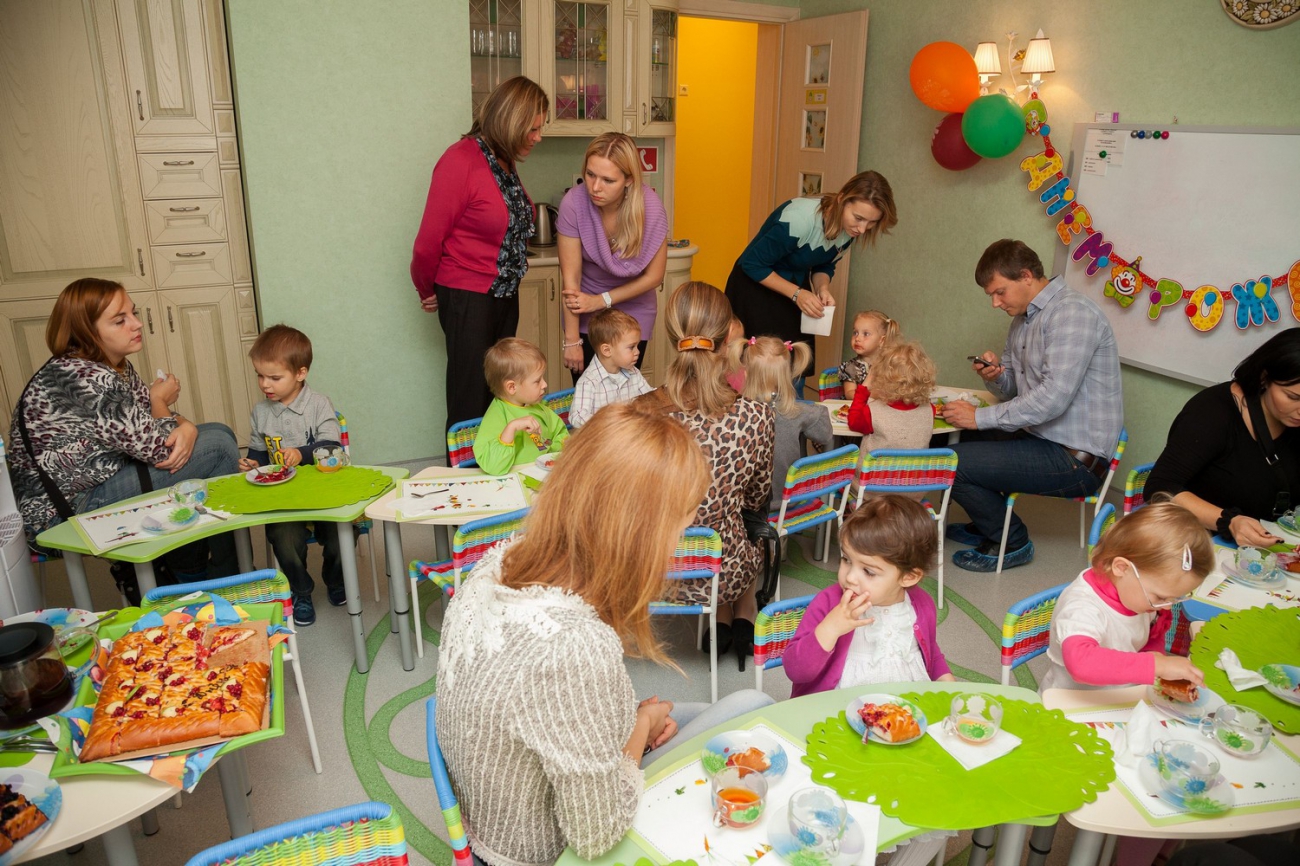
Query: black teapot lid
23, 641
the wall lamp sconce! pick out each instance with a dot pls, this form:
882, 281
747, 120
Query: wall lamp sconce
987, 64
1035, 60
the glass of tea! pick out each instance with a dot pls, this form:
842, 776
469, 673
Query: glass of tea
974, 718
739, 795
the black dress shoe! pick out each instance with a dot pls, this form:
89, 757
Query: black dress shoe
742, 640
724, 639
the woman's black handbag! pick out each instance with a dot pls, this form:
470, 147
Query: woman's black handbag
764, 534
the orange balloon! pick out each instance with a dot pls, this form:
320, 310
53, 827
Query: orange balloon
944, 77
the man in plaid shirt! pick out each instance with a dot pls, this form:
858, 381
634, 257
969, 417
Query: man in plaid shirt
612, 376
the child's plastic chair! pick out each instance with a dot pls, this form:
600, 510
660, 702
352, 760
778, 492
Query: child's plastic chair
255, 587
1104, 520
560, 403
460, 443
924, 470
468, 546
829, 386
367, 834
1027, 629
810, 496
460, 853
773, 628
698, 555
1084, 501
1135, 487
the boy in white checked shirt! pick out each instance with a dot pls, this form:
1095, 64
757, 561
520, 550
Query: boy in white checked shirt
612, 377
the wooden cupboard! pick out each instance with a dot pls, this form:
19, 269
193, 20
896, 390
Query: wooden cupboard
119, 159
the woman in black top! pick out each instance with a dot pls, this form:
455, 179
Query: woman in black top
1216, 466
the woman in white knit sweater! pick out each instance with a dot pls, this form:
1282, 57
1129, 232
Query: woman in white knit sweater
536, 716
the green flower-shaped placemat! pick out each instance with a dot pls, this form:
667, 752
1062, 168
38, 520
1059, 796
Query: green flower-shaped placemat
1259, 636
308, 489
1059, 766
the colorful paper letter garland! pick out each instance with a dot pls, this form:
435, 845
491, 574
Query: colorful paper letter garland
1204, 306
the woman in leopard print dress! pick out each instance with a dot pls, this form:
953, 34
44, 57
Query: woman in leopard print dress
736, 436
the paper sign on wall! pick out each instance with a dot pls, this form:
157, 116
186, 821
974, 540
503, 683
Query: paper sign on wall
649, 159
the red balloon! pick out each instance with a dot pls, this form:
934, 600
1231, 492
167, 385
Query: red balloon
949, 148
944, 76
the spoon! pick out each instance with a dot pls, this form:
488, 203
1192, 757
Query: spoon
203, 509
428, 493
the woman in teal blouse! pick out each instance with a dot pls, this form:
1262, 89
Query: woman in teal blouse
786, 270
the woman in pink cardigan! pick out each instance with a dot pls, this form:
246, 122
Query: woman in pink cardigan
470, 252
876, 625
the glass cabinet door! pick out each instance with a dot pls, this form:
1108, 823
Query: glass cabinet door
496, 46
583, 40
663, 67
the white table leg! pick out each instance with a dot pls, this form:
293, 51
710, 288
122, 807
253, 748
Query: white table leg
77, 580
145, 578
119, 850
397, 591
348, 553
1011, 843
244, 550
954, 436
1107, 850
232, 792
1087, 846
149, 822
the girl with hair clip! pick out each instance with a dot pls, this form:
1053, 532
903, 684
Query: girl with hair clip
770, 365
1109, 625
613, 246
892, 408
542, 733
786, 269
736, 435
872, 331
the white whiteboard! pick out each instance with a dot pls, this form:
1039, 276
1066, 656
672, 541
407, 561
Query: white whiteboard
1207, 206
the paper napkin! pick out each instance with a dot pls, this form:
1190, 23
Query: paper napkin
969, 755
821, 327
1133, 743
1240, 677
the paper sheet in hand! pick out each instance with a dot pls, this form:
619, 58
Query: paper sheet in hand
821, 327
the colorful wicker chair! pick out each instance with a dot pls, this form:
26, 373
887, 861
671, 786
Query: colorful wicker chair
773, 628
1135, 487
1084, 501
468, 546
255, 587
560, 403
460, 853
829, 386
460, 443
1027, 629
698, 556
810, 497
925, 470
367, 834
1104, 520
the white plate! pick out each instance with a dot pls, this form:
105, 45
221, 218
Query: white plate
1292, 675
718, 751
44, 792
860, 727
1272, 580
164, 521
546, 462
1206, 702
251, 477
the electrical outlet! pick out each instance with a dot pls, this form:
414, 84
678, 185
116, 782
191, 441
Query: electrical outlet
683, 90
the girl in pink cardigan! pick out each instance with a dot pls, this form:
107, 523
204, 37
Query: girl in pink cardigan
876, 625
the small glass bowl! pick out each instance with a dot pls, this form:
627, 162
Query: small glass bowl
330, 458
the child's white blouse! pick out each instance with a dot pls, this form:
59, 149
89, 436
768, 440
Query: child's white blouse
886, 650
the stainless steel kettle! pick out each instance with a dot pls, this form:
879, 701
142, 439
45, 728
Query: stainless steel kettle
544, 216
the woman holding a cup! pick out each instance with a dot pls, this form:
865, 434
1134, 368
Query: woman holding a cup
88, 432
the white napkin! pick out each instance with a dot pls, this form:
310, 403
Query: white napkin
970, 755
821, 327
1240, 677
1134, 741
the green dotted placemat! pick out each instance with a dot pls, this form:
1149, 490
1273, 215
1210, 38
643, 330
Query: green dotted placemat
1059, 766
308, 489
1259, 636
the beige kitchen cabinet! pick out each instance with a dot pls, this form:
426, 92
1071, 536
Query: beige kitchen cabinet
70, 201
541, 321
170, 89
650, 68
659, 351
135, 95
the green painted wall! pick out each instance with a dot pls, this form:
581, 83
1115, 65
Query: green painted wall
1148, 61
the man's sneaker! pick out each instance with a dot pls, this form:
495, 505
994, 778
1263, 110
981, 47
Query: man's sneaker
963, 533
304, 613
338, 597
976, 559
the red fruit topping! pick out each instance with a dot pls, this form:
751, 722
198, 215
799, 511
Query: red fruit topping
212, 675
235, 689
119, 712
138, 714
151, 702
160, 638
194, 634
145, 666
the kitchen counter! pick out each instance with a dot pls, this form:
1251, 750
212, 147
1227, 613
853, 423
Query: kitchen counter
543, 257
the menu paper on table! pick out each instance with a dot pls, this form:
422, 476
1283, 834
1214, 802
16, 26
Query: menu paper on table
120, 524
674, 817
428, 498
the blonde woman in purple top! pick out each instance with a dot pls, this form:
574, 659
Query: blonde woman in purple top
613, 245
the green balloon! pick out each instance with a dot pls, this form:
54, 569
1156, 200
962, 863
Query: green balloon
993, 126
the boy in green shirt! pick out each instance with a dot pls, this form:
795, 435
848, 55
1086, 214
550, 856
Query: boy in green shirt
518, 426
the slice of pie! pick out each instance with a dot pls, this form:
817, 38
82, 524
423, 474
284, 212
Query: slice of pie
890, 722
18, 817
1184, 691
